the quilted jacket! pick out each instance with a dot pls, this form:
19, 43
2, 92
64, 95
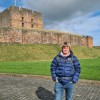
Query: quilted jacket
65, 69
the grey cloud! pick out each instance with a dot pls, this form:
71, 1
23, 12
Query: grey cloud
59, 10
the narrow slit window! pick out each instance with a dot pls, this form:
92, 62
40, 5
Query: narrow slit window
32, 26
22, 24
31, 20
22, 18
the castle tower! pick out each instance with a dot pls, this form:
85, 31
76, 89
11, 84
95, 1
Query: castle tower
22, 18
89, 41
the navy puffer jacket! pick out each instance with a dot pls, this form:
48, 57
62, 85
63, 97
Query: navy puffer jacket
65, 69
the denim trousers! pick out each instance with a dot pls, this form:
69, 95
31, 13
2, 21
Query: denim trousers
59, 90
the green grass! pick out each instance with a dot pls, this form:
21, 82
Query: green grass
90, 68
35, 59
27, 52
34, 68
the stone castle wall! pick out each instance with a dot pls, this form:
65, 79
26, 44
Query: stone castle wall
9, 35
5, 19
21, 25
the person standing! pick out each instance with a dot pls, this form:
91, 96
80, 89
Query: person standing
65, 72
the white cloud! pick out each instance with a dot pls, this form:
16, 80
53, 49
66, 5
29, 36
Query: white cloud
84, 25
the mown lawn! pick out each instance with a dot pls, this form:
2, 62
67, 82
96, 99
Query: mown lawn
90, 68
34, 68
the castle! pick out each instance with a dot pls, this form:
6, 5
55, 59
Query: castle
24, 26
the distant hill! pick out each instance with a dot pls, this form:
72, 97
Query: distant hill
32, 52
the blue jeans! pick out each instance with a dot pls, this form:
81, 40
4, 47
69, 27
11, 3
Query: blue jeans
59, 89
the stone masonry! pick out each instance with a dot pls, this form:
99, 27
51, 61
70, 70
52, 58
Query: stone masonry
17, 17
21, 25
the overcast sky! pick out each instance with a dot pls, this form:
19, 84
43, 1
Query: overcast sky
77, 16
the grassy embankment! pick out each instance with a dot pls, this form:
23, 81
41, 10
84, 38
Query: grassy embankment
25, 59
17, 52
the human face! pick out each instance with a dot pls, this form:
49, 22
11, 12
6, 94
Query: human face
65, 50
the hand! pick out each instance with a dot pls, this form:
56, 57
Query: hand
54, 78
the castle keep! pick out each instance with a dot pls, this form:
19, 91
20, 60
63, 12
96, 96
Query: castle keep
17, 17
20, 25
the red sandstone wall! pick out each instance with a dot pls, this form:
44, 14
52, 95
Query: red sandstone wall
8, 35
5, 19
15, 16
89, 41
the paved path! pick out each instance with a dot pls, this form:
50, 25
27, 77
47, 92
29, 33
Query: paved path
41, 88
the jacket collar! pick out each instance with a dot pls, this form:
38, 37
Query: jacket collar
61, 54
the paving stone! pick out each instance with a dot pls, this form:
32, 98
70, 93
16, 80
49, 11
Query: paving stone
33, 88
